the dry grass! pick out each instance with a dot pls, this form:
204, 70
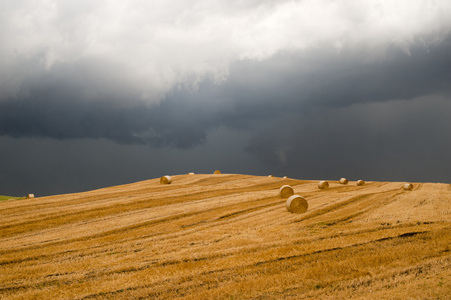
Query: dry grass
228, 236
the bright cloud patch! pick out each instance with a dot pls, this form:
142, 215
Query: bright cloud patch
150, 47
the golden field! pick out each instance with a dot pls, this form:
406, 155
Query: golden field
229, 236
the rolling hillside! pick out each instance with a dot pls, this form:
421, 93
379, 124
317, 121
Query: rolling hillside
228, 236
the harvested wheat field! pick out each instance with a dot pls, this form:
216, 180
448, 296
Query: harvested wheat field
226, 236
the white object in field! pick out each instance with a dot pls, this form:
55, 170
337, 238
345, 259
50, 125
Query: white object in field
343, 181
408, 186
323, 185
165, 179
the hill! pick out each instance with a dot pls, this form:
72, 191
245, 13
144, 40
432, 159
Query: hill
228, 236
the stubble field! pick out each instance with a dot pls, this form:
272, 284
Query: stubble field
229, 236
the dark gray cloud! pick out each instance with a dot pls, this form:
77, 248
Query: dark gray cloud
45, 166
324, 77
73, 102
61, 104
396, 140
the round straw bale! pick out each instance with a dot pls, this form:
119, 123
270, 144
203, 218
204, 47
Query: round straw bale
285, 177
270, 176
29, 196
217, 172
408, 186
296, 204
286, 191
323, 185
343, 181
165, 179
360, 182
191, 173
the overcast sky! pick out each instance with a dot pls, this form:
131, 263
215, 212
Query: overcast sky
100, 93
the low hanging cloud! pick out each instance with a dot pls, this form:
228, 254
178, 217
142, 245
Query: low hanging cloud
396, 140
257, 94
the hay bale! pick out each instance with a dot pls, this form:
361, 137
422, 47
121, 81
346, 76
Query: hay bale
217, 172
408, 186
286, 191
360, 182
29, 196
323, 185
270, 176
191, 173
296, 204
285, 177
343, 181
165, 179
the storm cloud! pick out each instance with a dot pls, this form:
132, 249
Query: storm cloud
256, 93
305, 89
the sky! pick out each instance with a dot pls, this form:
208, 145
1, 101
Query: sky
101, 93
